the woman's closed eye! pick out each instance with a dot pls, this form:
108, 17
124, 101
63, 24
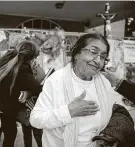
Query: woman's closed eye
102, 56
91, 51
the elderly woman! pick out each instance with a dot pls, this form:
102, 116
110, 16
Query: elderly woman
76, 101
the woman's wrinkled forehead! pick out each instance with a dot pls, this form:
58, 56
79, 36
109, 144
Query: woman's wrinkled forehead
89, 40
86, 42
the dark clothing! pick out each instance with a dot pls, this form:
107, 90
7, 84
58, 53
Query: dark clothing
28, 129
9, 104
9, 129
24, 82
27, 135
120, 128
127, 90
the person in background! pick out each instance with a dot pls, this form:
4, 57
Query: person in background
76, 101
125, 87
50, 50
15, 76
29, 101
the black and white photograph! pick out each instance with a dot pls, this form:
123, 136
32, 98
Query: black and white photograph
67, 73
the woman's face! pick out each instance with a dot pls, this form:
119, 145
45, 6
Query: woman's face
91, 59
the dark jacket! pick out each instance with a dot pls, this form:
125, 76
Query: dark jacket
24, 81
120, 128
127, 90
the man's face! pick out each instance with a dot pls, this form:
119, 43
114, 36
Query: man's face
91, 59
51, 46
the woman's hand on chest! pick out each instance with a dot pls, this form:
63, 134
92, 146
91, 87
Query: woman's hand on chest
80, 107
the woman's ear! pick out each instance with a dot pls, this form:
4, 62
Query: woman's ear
75, 59
105, 63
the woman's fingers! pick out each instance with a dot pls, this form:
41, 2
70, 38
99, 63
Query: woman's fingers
80, 107
87, 113
89, 110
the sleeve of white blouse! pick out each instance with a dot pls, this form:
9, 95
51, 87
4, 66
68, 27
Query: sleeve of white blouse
44, 116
